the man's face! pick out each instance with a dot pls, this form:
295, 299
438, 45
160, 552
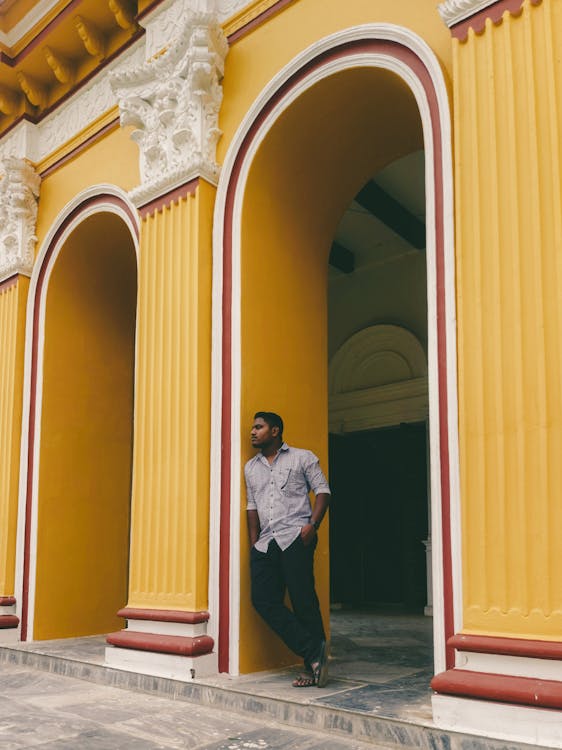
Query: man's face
262, 434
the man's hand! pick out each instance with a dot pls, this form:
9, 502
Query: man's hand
308, 532
253, 526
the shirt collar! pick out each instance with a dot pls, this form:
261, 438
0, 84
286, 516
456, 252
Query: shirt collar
259, 456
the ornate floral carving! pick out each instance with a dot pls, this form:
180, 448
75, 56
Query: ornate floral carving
173, 102
454, 11
228, 8
19, 191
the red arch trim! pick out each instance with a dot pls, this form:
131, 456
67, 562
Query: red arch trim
340, 52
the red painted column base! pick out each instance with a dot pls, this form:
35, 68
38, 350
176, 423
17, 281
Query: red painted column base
164, 644
172, 632
527, 691
10, 620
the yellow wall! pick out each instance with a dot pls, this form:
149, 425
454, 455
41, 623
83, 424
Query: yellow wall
311, 165
13, 298
111, 159
86, 433
256, 58
508, 100
169, 546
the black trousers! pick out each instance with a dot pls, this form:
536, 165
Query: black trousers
276, 571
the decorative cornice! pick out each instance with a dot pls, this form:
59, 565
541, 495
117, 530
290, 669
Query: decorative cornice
173, 100
460, 15
19, 192
455, 11
36, 142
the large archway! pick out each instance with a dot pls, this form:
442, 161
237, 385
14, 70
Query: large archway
344, 109
75, 493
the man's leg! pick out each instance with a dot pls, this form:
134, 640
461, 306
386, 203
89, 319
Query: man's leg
268, 591
298, 568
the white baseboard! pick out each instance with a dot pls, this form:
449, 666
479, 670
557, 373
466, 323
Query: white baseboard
174, 667
536, 726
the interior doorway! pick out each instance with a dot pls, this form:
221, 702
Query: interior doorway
379, 519
380, 544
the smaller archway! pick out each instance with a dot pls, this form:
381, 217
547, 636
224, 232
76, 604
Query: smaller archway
78, 421
378, 378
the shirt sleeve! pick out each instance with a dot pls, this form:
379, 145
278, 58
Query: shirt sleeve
314, 475
250, 499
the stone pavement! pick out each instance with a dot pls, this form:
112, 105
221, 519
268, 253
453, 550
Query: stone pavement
39, 709
378, 693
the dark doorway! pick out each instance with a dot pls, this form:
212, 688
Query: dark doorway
379, 518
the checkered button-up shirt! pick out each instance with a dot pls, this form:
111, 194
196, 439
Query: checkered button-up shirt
279, 493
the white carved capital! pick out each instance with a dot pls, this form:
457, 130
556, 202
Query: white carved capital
455, 11
19, 192
173, 102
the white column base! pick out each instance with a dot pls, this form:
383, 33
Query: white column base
185, 668
9, 635
537, 726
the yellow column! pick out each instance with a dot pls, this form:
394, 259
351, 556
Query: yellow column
13, 298
508, 104
169, 535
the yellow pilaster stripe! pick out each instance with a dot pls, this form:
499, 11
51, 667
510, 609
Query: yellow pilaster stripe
169, 541
12, 327
509, 245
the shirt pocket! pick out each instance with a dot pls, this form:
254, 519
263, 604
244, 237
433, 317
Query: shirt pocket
292, 482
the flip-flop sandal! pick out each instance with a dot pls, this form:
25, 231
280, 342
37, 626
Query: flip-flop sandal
304, 680
320, 670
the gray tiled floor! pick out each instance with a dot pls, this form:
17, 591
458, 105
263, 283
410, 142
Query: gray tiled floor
380, 664
378, 693
62, 713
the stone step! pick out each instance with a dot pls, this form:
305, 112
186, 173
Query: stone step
239, 698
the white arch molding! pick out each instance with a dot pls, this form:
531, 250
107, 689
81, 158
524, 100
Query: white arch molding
103, 198
226, 384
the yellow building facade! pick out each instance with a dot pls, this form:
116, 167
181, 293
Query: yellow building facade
348, 213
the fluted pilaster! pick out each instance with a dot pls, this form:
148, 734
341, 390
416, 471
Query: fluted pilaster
13, 295
508, 95
169, 553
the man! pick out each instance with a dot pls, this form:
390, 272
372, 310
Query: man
283, 528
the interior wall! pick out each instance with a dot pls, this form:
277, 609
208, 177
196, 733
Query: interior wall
86, 433
312, 163
394, 292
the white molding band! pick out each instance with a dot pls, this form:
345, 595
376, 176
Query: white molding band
513, 666
42, 275
455, 11
414, 43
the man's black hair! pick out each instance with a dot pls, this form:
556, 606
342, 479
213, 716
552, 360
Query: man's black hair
272, 419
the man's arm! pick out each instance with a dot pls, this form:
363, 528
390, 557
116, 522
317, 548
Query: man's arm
321, 503
253, 526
